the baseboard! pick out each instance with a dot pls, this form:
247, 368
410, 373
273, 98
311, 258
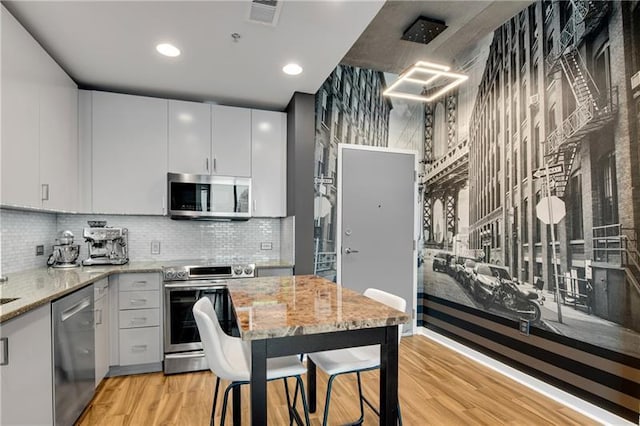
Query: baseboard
592, 411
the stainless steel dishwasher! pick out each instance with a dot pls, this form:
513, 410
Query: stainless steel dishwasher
73, 354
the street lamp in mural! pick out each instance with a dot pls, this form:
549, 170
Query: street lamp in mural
486, 239
551, 210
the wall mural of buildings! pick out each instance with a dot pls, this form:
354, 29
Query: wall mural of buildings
545, 130
555, 88
552, 93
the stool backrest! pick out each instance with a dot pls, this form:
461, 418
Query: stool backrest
212, 337
391, 300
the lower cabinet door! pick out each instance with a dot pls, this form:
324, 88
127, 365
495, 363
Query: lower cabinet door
140, 345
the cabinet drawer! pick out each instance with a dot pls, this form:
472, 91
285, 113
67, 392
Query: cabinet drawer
140, 345
139, 318
138, 282
139, 299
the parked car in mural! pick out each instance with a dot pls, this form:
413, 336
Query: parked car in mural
493, 286
441, 262
464, 271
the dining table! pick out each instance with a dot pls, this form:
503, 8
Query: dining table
292, 315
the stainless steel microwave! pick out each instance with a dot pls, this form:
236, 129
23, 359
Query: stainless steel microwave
208, 197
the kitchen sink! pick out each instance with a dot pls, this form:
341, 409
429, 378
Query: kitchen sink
4, 300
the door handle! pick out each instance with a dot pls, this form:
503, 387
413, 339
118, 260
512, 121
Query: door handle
45, 192
348, 250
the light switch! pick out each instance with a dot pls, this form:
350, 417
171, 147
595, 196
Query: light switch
266, 246
155, 247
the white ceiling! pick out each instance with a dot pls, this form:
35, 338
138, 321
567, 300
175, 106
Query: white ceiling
110, 45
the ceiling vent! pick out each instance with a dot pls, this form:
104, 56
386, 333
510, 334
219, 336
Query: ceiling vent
265, 12
423, 30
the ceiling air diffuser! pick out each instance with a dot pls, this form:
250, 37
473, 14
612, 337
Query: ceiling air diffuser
423, 30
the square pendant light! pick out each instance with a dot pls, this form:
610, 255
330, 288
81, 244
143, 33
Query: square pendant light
425, 82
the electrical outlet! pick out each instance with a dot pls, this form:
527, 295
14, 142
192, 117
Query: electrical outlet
39, 250
524, 327
155, 247
266, 246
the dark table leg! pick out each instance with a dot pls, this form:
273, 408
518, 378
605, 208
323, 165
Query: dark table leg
389, 377
237, 406
311, 385
259, 382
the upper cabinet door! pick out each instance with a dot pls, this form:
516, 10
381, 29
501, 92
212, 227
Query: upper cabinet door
231, 141
189, 137
59, 139
20, 178
269, 163
129, 154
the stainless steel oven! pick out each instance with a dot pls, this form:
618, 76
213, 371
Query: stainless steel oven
184, 284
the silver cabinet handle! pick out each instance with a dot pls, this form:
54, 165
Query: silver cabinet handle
99, 317
135, 321
206, 164
140, 283
137, 301
68, 313
254, 205
349, 251
214, 164
138, 348
5, 351
45, 192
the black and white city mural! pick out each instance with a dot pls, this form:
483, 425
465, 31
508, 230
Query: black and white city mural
529, 206
528, 170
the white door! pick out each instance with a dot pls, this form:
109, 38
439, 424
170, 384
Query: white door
377, 230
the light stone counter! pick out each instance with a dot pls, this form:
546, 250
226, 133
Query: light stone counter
304, 304
37, 287
274, 264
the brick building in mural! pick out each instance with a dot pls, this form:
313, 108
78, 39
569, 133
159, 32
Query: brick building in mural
560, 87
350, 108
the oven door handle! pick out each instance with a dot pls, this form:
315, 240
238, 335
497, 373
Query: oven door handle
209, 285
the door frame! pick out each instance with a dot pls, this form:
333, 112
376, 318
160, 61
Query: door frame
416, 222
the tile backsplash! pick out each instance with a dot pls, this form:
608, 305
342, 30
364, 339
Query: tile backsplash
223, 241
22, 231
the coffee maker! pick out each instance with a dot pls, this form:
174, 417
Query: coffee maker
65, 253
107, 245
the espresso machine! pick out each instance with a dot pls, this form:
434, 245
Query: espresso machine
107, 245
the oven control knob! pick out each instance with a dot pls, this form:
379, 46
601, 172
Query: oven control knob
182, 275
169, 275
237, 270
248, 270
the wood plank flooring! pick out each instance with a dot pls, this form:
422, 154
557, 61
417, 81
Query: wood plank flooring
437, 387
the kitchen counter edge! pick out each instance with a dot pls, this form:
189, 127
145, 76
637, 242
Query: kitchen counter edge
51, 284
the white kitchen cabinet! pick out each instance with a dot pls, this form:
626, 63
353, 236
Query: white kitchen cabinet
39, 124
59, 140
230, 141
269, 163
129, 154
102, 324
26, 376
189, 137
139, 334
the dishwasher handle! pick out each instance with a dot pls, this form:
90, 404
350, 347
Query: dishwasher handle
70, 312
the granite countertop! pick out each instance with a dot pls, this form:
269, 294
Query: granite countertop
304, 304
37, 287
273, 264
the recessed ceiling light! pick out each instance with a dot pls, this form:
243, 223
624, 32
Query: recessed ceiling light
292, 69
167, 49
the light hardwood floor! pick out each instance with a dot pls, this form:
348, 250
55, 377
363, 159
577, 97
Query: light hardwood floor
437, 387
